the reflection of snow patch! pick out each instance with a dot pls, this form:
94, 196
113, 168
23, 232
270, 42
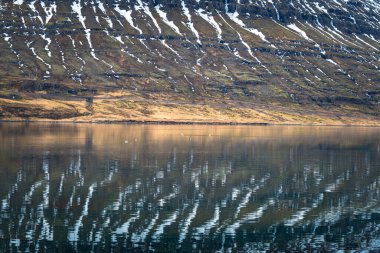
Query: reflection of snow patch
205, 229
141, 237
160, 230
187, 222
124, 229
73, 235
300, 215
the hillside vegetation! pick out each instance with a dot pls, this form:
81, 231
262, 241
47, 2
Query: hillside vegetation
240, 61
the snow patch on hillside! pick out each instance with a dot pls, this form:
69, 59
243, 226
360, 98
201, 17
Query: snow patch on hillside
128, 16
190, 23
163, 16
49, 11
147, 11
210, 19
299, 31
235, 17
77, 8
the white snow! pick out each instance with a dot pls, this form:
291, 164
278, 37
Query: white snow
242, 41
353, 19
170, 48
274, 6
6, 37
88, 36
47, 232
37, 56
118, 38
235, 17
101, 7
48, 42
49, 11
107, 18
33, 8
370, 36
210, 19
321, 32
18, 2
339, 33
77, 8
132, 55
311, 10
23, 22
190, 24
333, 62
299, 31
147, 11
248, 48
321, 8
366, 43
76, 52
47, 73
163, 16
128, 16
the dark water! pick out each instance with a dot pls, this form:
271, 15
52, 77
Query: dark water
126, 188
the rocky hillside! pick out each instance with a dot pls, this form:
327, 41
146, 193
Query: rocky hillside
287, 61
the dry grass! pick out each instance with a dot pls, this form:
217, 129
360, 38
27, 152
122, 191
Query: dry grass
124, 106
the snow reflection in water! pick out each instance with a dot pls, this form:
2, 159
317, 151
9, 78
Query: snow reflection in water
84, 188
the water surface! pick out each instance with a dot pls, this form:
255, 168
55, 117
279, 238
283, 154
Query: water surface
83, 187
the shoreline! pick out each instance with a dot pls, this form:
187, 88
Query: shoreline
121, 108
163, 122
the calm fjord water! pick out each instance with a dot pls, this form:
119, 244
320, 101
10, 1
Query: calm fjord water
83, 187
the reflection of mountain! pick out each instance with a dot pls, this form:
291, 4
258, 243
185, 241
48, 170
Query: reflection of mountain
179, 187
153, 60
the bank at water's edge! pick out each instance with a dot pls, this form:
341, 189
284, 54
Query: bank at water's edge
132, 109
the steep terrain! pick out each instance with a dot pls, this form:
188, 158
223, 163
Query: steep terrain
245, 61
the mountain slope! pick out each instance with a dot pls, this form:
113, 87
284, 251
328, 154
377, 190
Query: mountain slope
222, 61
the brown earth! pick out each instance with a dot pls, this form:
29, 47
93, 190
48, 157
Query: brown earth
123, 106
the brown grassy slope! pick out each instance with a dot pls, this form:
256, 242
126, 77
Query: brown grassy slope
129, 107
284, 81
